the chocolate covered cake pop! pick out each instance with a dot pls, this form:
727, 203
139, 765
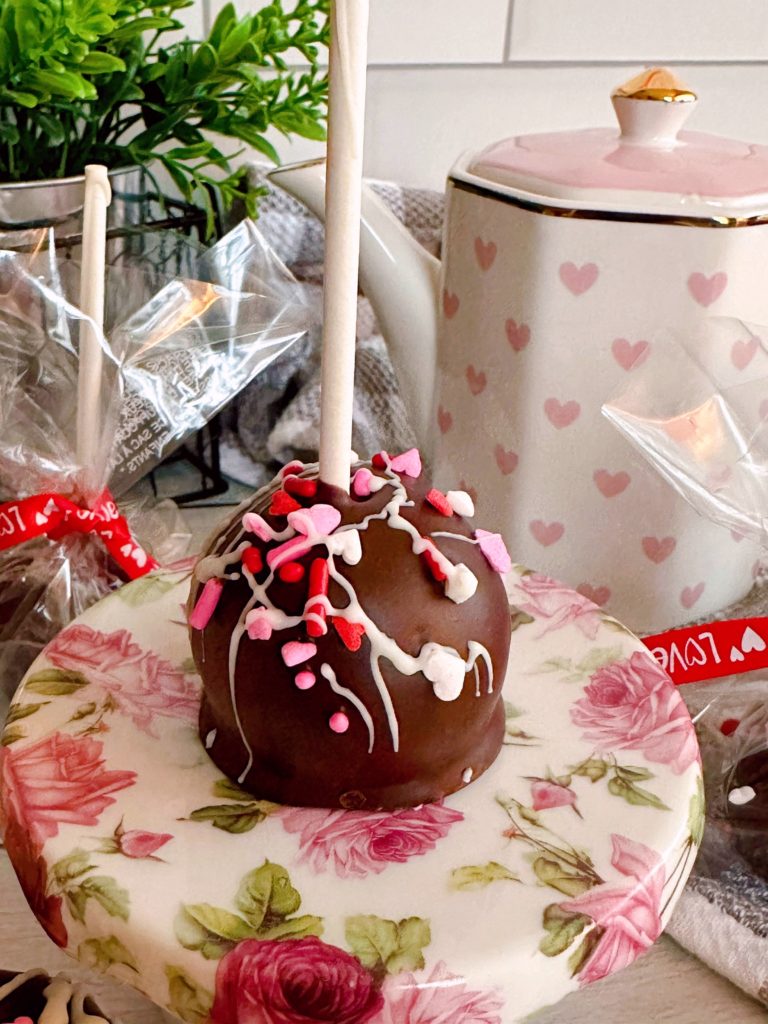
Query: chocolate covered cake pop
352, 647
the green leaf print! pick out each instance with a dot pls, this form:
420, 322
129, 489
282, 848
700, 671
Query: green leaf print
74, 865
593, 768
18, 711
145, 590
563, 928
266, 895
388, 947
696, 810
582, 953
55, 682
219, 922
186, 999
192, 935
101, 954
111, 896
622, 787
294, 928
598, 658
519, 618
553, 874
478, 876
234, 818
228, 790
12, 735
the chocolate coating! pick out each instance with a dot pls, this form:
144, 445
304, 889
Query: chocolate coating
298, 758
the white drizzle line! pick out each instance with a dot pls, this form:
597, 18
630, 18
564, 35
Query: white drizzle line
476, 650
454, 536
477, 679
327, 673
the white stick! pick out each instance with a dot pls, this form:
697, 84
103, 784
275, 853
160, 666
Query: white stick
346, 114
98, 196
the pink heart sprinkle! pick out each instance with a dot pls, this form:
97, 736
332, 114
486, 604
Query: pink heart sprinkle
361, 483
408, 463
317, 519
253, 523
495, 550
296, 653
305, 680
258, 625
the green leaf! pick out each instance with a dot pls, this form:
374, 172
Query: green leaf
12, 735
145, 590
388, 947
632, 774
593, 769
101, 954
228, 790
266, 896
97, 63
519, 618
578, 959
511, 711
478, 876
634, 794
112, 897
55, 682
294, 928
562, 927
76, 903
74, 865
219, 922
553, 874
187, 999
18, 711
598, 658
192, 935
83, 711
554, 665
233, 818
696, 810
203, 63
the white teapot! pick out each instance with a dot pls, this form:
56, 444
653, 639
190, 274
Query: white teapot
566, 256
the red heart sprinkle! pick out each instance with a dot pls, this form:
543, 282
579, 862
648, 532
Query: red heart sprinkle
252, 560
439, 501
380, 460
351, 633
729, 726
282, 504
291, 572
300, 487
433, 565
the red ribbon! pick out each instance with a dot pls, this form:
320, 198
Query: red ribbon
716, 649
56, 516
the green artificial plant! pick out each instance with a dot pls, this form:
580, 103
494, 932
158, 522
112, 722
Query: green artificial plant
100, 81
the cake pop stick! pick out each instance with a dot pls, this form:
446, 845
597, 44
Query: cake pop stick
98, 196
346, 111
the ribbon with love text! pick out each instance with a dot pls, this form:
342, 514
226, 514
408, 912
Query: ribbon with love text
55, 516
697, 653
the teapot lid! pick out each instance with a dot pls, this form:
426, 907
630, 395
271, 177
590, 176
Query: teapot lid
646, 166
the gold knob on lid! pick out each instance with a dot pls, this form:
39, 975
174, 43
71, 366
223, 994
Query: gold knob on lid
656, 84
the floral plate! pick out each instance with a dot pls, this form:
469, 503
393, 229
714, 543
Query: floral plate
557, 867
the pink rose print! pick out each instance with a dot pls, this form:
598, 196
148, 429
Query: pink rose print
437, 997
57, 780
559, 605
356, 843
293, 981
631, 705
138, 845
546, 794
141, 684
628, 916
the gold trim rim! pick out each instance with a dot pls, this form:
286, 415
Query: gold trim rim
548, 210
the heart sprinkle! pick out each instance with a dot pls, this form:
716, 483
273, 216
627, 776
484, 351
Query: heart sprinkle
407, 464
258, 625
439, 501
282, 504
495, 550
300, 487
350, 633
461, 503
296, 653
206, 604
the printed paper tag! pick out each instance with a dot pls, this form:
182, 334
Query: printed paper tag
697, 653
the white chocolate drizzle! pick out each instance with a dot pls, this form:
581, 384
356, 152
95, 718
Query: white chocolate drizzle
442, 666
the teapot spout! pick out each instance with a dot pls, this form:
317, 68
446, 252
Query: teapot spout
399, 277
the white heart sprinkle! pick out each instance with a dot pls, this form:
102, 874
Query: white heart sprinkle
742, 795
461, 503
752, 641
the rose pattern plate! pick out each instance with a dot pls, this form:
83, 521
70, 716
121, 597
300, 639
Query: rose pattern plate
557, 867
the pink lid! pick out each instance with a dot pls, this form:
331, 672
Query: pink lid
645, 165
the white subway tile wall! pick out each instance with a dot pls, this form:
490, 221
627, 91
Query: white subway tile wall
449, 75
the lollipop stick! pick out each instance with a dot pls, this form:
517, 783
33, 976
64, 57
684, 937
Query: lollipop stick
346, 112
98, 196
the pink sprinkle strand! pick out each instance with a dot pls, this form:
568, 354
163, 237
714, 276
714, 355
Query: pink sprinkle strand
305, 680
287, 552
495, 550
296, 653
206, 604
253, 523
409, 463
258, 625
361, 483
339, 722
316, 520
